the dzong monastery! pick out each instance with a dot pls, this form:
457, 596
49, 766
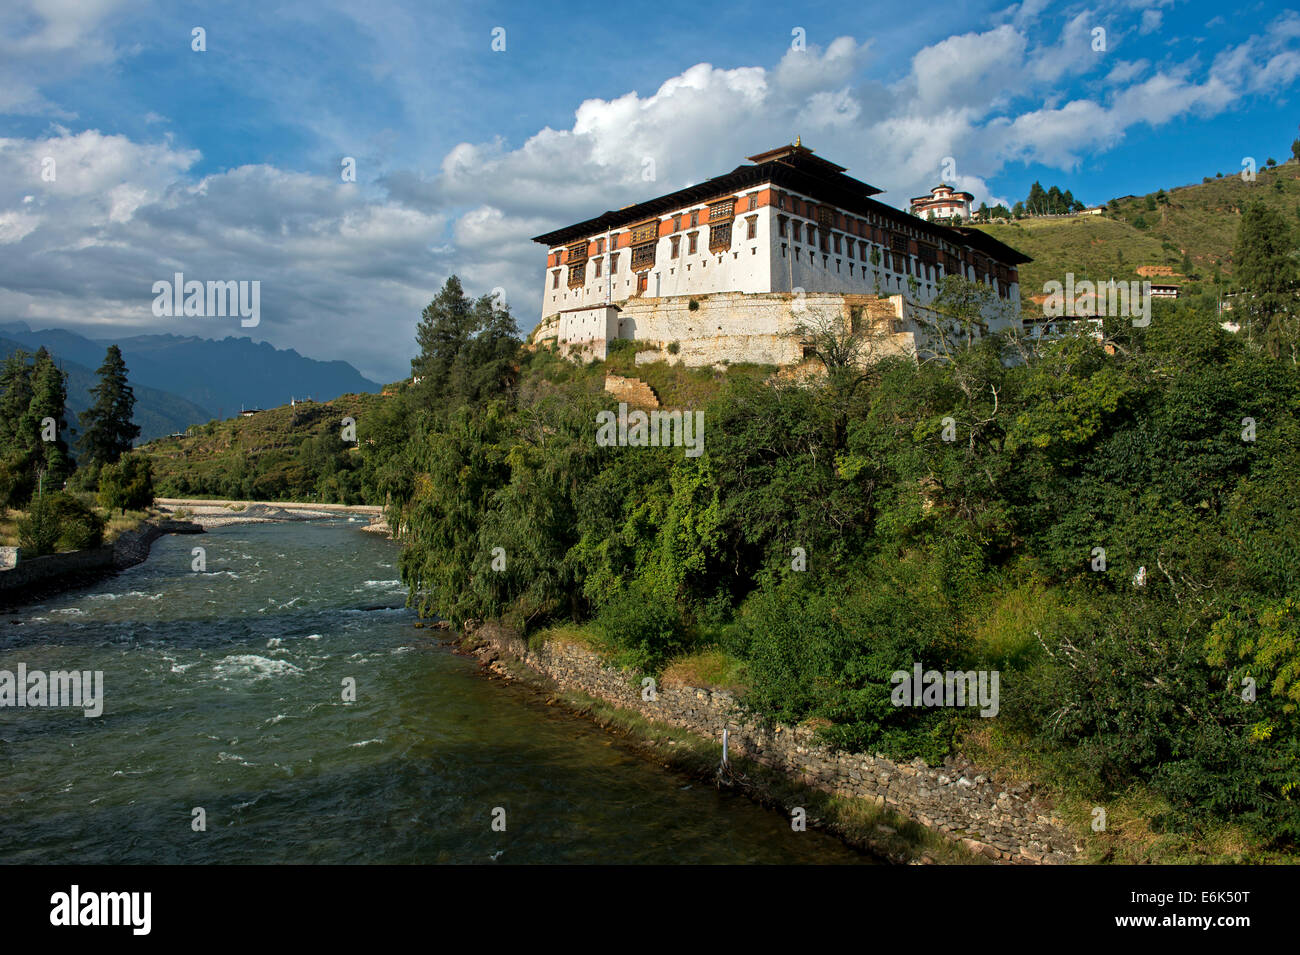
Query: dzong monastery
736, 268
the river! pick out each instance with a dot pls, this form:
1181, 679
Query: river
223, 692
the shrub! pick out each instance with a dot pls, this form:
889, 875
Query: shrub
128, 484
674, 348
38, 529
694, 306
827, 652
58, 521
79, 526
645, 629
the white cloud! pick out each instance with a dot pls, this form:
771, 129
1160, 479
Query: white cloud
346, 268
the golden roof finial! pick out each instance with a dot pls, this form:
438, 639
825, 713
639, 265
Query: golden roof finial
798, 141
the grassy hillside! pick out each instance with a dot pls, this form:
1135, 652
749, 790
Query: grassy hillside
1199, 221
286, 453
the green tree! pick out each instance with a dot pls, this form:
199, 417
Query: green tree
15, 396
1266, 271
49, 404
1036, 203
127, 484
107, 428
467, 348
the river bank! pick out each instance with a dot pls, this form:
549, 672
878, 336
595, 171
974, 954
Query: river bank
31, 578
223, 513
900, 812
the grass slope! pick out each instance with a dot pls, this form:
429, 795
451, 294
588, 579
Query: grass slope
1198, 220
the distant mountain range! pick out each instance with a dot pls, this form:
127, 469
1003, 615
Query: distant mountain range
185, 380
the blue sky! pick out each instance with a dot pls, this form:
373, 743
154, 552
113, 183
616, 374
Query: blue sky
225, 163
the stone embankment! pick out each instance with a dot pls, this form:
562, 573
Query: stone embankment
1002, 821
20, 578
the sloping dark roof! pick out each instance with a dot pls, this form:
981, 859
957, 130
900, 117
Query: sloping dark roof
983, 242
794, 168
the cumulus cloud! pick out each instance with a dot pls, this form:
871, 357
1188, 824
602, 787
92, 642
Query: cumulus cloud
346, 268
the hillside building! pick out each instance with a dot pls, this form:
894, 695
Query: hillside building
943, 202
731, 268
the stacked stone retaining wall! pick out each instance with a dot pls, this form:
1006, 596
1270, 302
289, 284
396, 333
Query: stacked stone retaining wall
1003, 821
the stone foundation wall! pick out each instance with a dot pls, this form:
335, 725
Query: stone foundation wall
1003, 822
33, 571
130, 548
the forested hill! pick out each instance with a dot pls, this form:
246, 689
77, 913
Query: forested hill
289, 453
1190, 228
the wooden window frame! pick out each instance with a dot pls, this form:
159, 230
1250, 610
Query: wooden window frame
720, 236
644, 232
643, 256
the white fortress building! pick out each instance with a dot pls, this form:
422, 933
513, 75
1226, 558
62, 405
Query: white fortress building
943, 202
731, 269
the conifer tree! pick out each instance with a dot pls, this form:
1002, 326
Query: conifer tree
107, 428
1266, 270
15, 396
49, 403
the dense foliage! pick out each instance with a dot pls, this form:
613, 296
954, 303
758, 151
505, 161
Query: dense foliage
944, 513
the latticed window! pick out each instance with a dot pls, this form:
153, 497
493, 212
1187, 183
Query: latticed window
753, 201
721, 211
577, 253
720, 237
643, 256
825, 217
676, 243
751, 226
645, 232
577, 274
692, 243
898, 241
